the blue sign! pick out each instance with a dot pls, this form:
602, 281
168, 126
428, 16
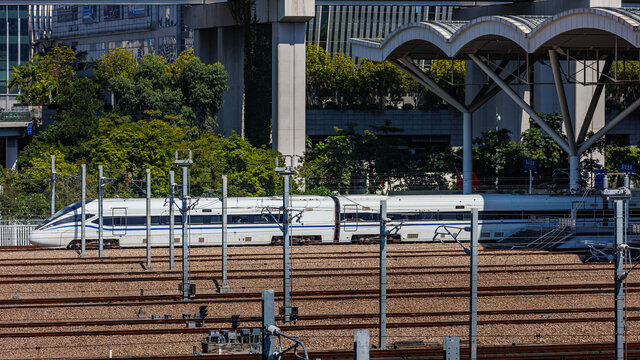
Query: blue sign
628, 168
530, 164
598, 179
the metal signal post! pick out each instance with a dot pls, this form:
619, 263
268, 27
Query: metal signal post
286, 173
185, 164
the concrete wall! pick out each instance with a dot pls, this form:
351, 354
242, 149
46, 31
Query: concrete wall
414, 122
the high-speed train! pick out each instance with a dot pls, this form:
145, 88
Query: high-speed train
315, 219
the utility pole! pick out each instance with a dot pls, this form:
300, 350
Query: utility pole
473, 296
185, 164
171, 220
83, 216
148, 194
382, 341
52, 182
100, 211
286, 173
225, 288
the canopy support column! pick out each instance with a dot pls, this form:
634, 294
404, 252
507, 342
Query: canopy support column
518, 100
407, 66
610, 125
574, 159
594, 100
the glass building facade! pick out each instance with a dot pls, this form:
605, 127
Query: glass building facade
15, 46
143, 29
337, 21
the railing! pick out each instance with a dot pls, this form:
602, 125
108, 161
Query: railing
11, 116
15, 234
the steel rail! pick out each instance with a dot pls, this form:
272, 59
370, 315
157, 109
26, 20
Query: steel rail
311, 327
325, 294
252, 319
52, 278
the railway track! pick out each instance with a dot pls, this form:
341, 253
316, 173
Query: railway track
595, 351
312, 327
143, 276
485, 291
256, 319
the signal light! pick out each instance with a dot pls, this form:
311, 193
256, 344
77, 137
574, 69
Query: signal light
203, 312
235, 321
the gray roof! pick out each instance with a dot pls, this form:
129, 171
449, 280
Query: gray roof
580, 31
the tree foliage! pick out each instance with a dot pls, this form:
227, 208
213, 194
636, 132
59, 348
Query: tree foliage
40, 81
334, 81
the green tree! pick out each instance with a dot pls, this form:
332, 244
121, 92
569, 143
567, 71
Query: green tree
116, 62
202, 88
41, 79
126, 151
249, 170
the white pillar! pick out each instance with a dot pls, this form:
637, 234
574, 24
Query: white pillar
288, 93
11, 152
467, 154
574, 173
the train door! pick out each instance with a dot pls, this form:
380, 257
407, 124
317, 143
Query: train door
350, 217
119, 221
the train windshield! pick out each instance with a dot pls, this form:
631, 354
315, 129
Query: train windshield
66, 210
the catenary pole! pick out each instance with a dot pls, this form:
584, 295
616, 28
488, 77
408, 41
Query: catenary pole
382, 341
171, 220
185, 234
100, 211
473, 296
225, 288
148, 208
53, 184
83, 216
286, 240
268, 318
619, 289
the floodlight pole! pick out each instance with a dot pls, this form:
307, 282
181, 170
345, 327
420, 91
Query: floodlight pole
83, 216
148, 194
171, 221
100, 211
53, 184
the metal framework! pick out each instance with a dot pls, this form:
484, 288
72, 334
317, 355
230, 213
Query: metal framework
596, 39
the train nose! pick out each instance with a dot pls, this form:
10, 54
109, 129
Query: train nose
44, 239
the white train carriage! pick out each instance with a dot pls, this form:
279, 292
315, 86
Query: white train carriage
339, 219
437, 217
250, 221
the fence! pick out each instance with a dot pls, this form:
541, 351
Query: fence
15, 233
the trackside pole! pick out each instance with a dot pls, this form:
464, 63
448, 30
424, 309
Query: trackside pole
473, 295
53, 184
286, 240
361, 344
382, 340
451, 347
83, 216
185, 235
225, 288
100, 211
268, 318
171, 221
148, 193
619, 279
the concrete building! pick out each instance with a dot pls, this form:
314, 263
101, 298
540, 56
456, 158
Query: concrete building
144, 29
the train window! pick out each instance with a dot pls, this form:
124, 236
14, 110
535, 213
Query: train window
196, 220
262, 219
136, 220
212, 219
447, 216
155, 220
239, 219
115, 221
69, 219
